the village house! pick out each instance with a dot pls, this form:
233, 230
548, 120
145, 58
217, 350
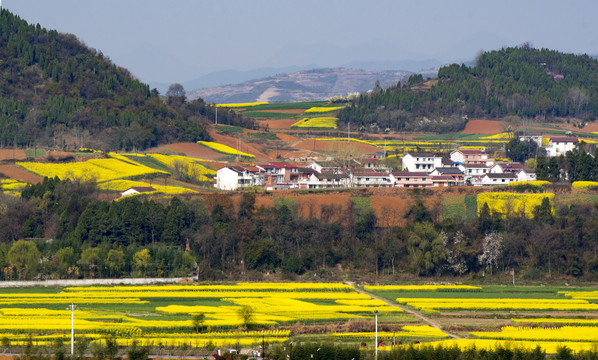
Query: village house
369, 178
237, 177
454, 172
558, 146
471, 170
526, 175
420, 161
411, 179
498, 179
469, 156
444, 181
328, 180
504, 168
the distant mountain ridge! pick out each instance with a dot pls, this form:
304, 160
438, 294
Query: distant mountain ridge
304, 85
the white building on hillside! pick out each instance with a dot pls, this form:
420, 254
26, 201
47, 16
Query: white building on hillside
421, 162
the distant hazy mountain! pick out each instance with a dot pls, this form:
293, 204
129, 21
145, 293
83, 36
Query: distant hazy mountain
305, 85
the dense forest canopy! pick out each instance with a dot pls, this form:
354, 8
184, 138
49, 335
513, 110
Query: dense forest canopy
230, 238
521, 81
55, 91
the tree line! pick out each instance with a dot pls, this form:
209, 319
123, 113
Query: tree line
517, 81
54, 88
63, 229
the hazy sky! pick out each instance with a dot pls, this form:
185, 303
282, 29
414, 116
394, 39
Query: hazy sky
178, 40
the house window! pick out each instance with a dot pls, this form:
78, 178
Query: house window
417, 166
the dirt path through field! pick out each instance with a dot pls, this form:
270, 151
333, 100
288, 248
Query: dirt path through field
407, 310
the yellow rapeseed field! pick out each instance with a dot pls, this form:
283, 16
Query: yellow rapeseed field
93, 169
318, 122
241, 105
505, 203
224, 149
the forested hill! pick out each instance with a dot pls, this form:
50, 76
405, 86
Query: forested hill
522, 81
56, 91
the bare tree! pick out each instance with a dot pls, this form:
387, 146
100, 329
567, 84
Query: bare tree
492, 246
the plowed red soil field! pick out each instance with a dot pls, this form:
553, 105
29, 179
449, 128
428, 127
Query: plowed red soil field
483, 127
10, 154
17, 173
336, 146
253, 149
278, 123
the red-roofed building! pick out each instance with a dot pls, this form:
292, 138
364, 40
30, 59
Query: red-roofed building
469, 156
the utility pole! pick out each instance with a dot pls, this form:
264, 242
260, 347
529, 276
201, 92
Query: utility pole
216, 115
72, 307
376, 324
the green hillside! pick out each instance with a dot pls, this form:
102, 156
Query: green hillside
524, 82
55, 91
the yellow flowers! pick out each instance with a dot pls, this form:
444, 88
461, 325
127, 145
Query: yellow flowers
410, 331
189, 166
491, 344
241, 105
565, 333
318, 122
584, 184
12, 187
221, 148
534, 183
319, 109
121, 185
586, 295
498, 304
94, 169
503, 135
511, 203
422, 287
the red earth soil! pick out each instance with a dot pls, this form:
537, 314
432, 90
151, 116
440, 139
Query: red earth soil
17, 173
336, 146
278, 123
12, 154
484, 127
253, 149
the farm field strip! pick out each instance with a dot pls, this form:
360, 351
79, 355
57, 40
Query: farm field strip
163, 314
498, 304
564, 333
549, 347
408, 331
224, 149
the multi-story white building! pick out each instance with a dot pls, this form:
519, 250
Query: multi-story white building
558, 146
469, 156
421, 162
237, 177
369, 178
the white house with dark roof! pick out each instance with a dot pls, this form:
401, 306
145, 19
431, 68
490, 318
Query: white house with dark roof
558, 146
369, 178
471, 170
421, 161
526, 175
498, 179
328, 180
